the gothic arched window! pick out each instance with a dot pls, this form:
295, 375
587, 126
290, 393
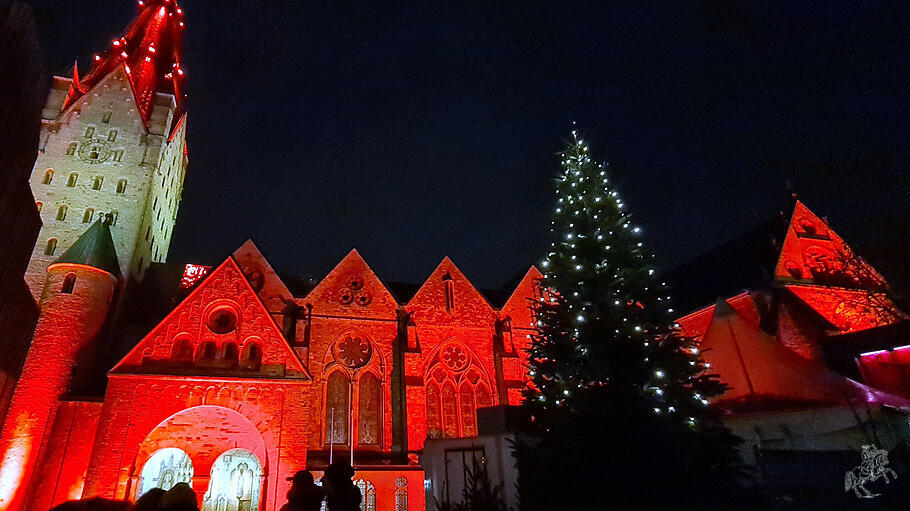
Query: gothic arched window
51, 246
336, 408
61, 212
251, 358
368, 491
121, 186
88, 215
71, 149
39, 204
230, 351
368, 425
96, 183
206, 351
74, 177
48, 176
401, 494
456, 386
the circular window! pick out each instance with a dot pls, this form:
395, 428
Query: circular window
222, 321
353, 352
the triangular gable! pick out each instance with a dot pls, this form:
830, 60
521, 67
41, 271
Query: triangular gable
196, 320
465, 305
262, 277
518, 306
812, 253
352, 289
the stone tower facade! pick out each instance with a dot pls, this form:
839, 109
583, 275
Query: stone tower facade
76, 299
113, 142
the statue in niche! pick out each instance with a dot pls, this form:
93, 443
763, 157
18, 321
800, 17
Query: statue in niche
242, 485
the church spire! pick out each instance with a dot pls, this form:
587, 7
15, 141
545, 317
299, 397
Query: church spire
150, 51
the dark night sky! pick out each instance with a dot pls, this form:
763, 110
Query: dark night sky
417, 130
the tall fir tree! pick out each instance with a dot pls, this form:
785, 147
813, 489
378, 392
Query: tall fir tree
619, 398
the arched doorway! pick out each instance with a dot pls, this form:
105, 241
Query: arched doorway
165, 468
235, 484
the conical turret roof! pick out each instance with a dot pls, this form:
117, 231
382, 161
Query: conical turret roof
94, 248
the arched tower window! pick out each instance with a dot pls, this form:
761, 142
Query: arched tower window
48, 176
96, 183
74, 177
61, 212
111, 135
456, 386
88, 215
71, 149
51, 246
450, 291
114, 215
69, 281
337, 407
39, 205
107, 117
121, 186
369, 424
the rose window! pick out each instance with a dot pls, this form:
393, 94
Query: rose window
222, 321
353, 352
454, 357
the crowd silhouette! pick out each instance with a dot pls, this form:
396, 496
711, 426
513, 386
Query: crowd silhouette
338, 491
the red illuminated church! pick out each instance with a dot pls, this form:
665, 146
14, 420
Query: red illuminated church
243, 378
243, 382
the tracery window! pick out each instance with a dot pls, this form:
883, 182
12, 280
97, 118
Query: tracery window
401, 494
353, 392
456, 386
336, 408
368, 421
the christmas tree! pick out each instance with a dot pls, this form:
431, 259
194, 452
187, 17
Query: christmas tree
619, 398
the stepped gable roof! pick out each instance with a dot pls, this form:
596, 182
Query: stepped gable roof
94, 248
150, 52
765, 376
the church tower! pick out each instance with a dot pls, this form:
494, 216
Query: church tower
75, 302
113, 142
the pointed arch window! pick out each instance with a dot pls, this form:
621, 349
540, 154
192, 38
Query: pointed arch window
39, 205
449, 284
369, 411
97, 182
88, 215
48, 176
69, 282
121, 186
337, 407
401, 494
50, 247
74, 177
61, 212
230, 351
456, 386
206, 351
368, 492
71, 149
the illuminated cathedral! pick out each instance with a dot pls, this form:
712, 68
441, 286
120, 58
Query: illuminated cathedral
248, 379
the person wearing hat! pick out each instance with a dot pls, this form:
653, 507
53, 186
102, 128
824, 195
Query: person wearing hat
304, 495
341, 494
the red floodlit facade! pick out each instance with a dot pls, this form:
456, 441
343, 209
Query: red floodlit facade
226, 382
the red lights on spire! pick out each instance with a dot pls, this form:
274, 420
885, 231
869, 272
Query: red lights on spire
150, 48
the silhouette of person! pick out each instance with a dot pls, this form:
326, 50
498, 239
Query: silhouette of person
149, 500
179, 498
304, 495
341, 494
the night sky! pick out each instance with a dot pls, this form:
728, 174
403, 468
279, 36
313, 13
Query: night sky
417, 130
